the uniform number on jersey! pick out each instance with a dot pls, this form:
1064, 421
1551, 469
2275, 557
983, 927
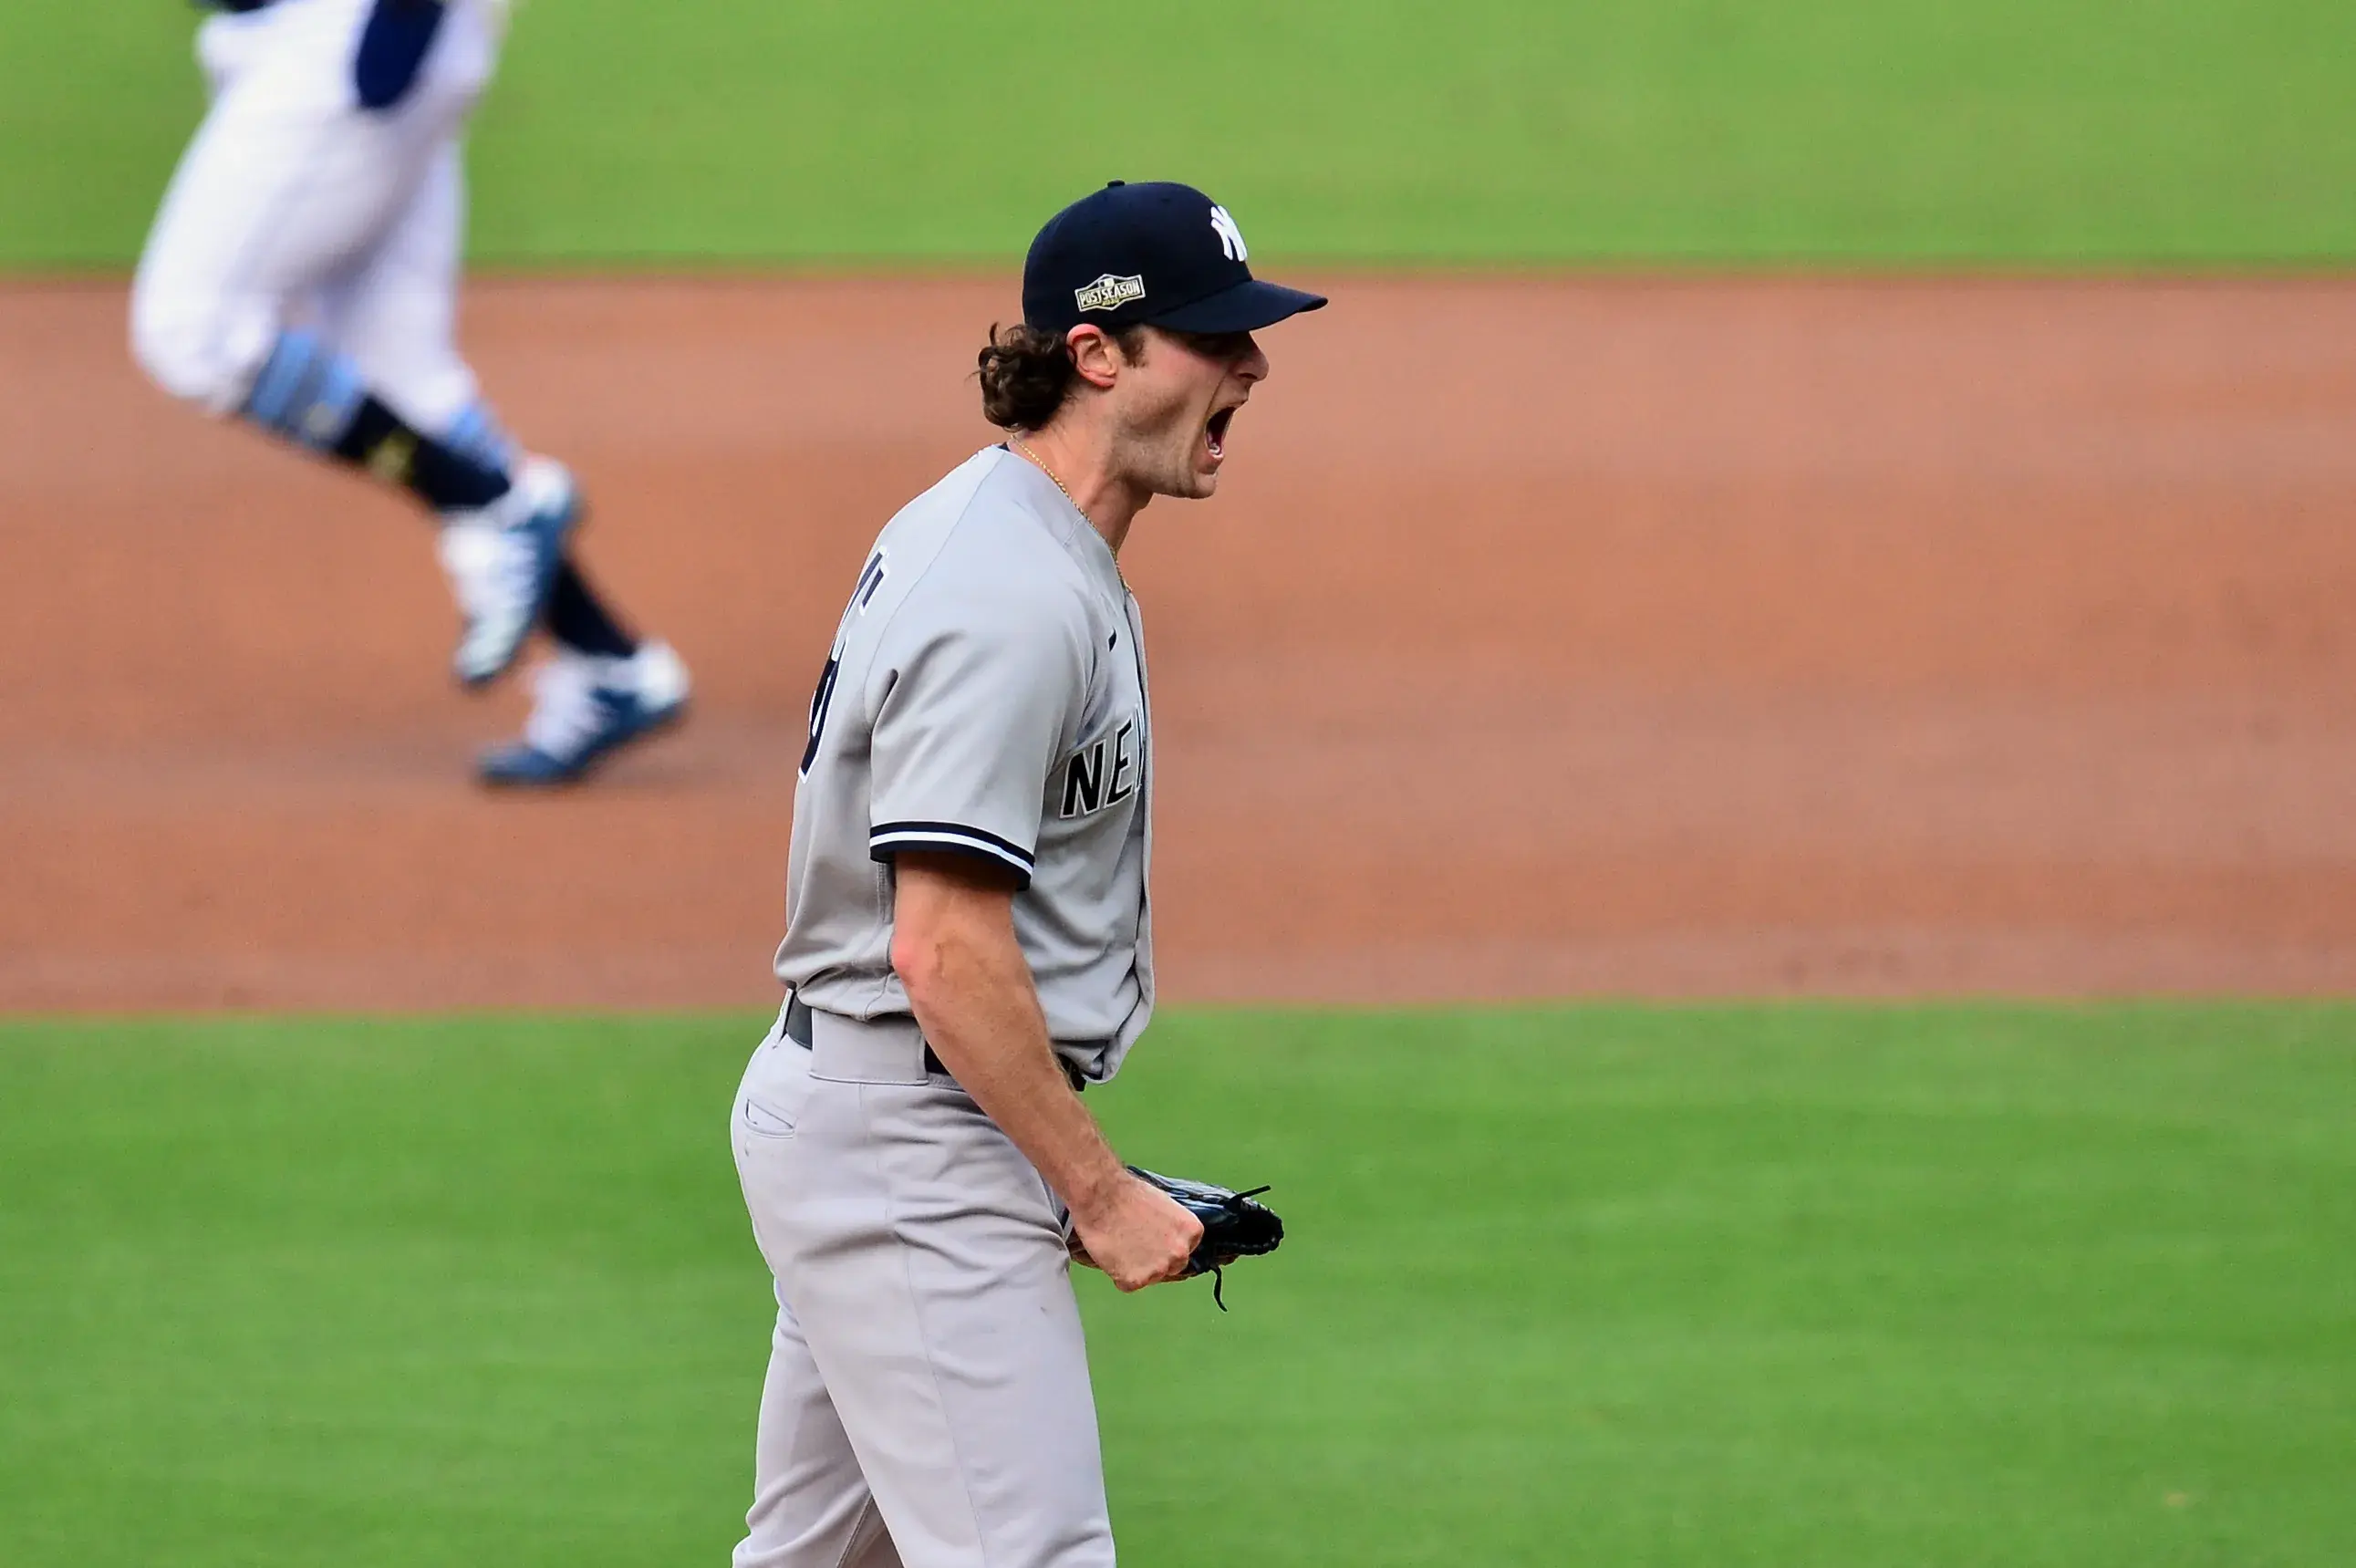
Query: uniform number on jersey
871, 579
1101, 774
821, 699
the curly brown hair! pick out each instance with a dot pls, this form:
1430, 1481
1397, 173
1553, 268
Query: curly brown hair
1026, 372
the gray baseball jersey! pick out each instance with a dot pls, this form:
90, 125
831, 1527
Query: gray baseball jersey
986, 696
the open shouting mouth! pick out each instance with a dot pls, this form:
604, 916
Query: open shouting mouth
1216, 433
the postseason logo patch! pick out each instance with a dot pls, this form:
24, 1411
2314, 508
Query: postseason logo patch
1109, 293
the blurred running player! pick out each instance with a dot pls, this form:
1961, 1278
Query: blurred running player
303, 276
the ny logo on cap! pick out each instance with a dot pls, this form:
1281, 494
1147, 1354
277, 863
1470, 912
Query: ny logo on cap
1109, 293
1231, 238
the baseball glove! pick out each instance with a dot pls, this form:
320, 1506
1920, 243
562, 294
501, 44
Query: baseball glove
1233, 1226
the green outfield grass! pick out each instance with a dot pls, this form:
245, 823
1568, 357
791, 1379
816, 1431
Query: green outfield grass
852, 131
1810, 1287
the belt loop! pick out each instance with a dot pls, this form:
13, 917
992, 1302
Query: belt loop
878, 1051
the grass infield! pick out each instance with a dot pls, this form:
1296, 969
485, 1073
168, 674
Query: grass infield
2033, 132
1804, 1285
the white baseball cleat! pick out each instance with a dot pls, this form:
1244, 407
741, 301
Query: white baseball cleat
502, 561
584, 709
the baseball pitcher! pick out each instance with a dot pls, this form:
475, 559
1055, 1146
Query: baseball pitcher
303, 276
969, 943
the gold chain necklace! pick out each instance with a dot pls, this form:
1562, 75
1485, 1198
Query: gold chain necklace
1041, 464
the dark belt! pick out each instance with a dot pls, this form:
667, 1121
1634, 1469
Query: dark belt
233, 4
797, 1030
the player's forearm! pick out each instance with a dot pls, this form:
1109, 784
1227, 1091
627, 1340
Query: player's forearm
978, 1006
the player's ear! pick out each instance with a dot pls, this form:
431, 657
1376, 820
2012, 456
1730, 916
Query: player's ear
1095, 355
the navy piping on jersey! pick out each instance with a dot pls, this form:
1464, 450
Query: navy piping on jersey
885, 840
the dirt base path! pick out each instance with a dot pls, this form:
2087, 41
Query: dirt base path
1657, 638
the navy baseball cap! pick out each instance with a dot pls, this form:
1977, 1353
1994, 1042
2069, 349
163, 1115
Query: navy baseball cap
1157, 254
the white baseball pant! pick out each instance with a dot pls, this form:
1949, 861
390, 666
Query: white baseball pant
294, 207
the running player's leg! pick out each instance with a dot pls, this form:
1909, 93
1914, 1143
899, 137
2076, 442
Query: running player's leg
396, 316
289, 186
397, 319
286, 186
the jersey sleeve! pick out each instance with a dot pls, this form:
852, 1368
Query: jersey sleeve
970, 721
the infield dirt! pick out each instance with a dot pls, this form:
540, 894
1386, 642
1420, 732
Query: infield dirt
1648, 638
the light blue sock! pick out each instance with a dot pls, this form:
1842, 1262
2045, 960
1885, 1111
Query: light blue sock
306, 392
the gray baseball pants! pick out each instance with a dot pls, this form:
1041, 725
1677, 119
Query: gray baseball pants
927, 1402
